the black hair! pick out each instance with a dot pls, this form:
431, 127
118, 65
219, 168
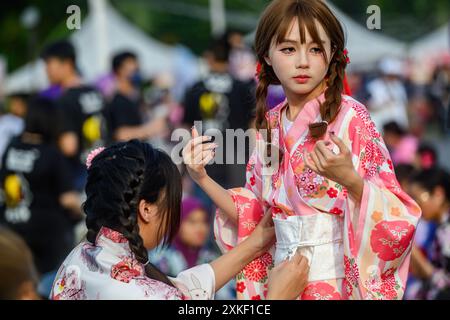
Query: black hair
394, 127
43, 118
404, 171
119, 59
62, 50
431, 178
220, 49
118, 179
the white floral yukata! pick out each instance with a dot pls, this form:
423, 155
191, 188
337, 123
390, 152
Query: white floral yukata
108, 270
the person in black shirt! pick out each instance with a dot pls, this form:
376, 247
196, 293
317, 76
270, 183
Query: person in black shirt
123, 114
221, 102
37, 198
82, 108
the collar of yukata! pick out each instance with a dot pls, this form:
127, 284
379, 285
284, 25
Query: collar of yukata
312, 108
114, 236
111, 234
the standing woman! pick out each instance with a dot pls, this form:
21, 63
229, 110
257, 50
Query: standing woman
330, 183
133, 204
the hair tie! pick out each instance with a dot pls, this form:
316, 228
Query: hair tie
258, 69
148, 261
92, 155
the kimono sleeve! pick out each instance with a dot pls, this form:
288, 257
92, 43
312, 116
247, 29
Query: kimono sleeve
248, 202
379, 230
197, 283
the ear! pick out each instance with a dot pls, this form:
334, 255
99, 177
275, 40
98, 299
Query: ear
147, 211
268, 61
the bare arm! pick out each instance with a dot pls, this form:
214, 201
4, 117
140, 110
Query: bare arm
196, 155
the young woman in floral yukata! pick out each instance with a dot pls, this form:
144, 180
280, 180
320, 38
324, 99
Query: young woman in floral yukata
133, 203
333, 193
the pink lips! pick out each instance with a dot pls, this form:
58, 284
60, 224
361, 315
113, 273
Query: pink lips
302, 78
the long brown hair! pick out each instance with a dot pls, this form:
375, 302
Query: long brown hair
275, 22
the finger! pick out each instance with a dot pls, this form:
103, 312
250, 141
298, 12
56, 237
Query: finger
326, 153
199, 140
194, 132
308, 162
322, 160
267, 219
341, 145
316, 162
204, 147
208, 158
297, 258
199, 158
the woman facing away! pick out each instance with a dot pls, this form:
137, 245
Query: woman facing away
331, 188
133, 204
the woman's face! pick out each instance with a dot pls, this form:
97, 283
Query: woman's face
431, 203
301, 68
194, 229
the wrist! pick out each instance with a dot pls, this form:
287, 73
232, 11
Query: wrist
352, 180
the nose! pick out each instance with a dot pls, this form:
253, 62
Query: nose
302, 60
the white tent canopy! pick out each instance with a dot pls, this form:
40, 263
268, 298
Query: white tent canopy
154, 57
432, 45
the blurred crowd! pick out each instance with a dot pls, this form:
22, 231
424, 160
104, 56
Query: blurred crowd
45, 138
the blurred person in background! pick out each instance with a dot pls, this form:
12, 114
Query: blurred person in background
189, 247
402, 145
431, 189
426, 157
124, 113
12, 122
18, 275
37, 196
242, 59
81, 105
388, 97
221, 102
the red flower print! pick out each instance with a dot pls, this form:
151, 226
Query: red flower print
351, 271
255, 271
332, 193
389, 161
257, 297
336, 210
240, 287
347, 288
390, 239
320, 291
126, 270
373, 159
112, 235
266, 259
252, 180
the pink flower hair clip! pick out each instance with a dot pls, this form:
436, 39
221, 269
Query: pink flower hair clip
92, 155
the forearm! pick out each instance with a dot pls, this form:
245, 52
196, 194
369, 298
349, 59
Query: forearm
228, 265
355, 187
221, 198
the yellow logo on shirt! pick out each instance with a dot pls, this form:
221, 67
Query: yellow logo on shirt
92, 129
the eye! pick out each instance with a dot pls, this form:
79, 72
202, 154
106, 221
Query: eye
316, 50
288, 50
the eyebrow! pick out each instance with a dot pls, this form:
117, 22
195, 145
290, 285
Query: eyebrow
294, 41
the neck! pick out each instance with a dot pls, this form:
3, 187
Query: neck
71, 81
125, 87
296, 102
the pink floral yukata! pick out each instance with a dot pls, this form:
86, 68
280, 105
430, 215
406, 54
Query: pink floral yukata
355, 251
